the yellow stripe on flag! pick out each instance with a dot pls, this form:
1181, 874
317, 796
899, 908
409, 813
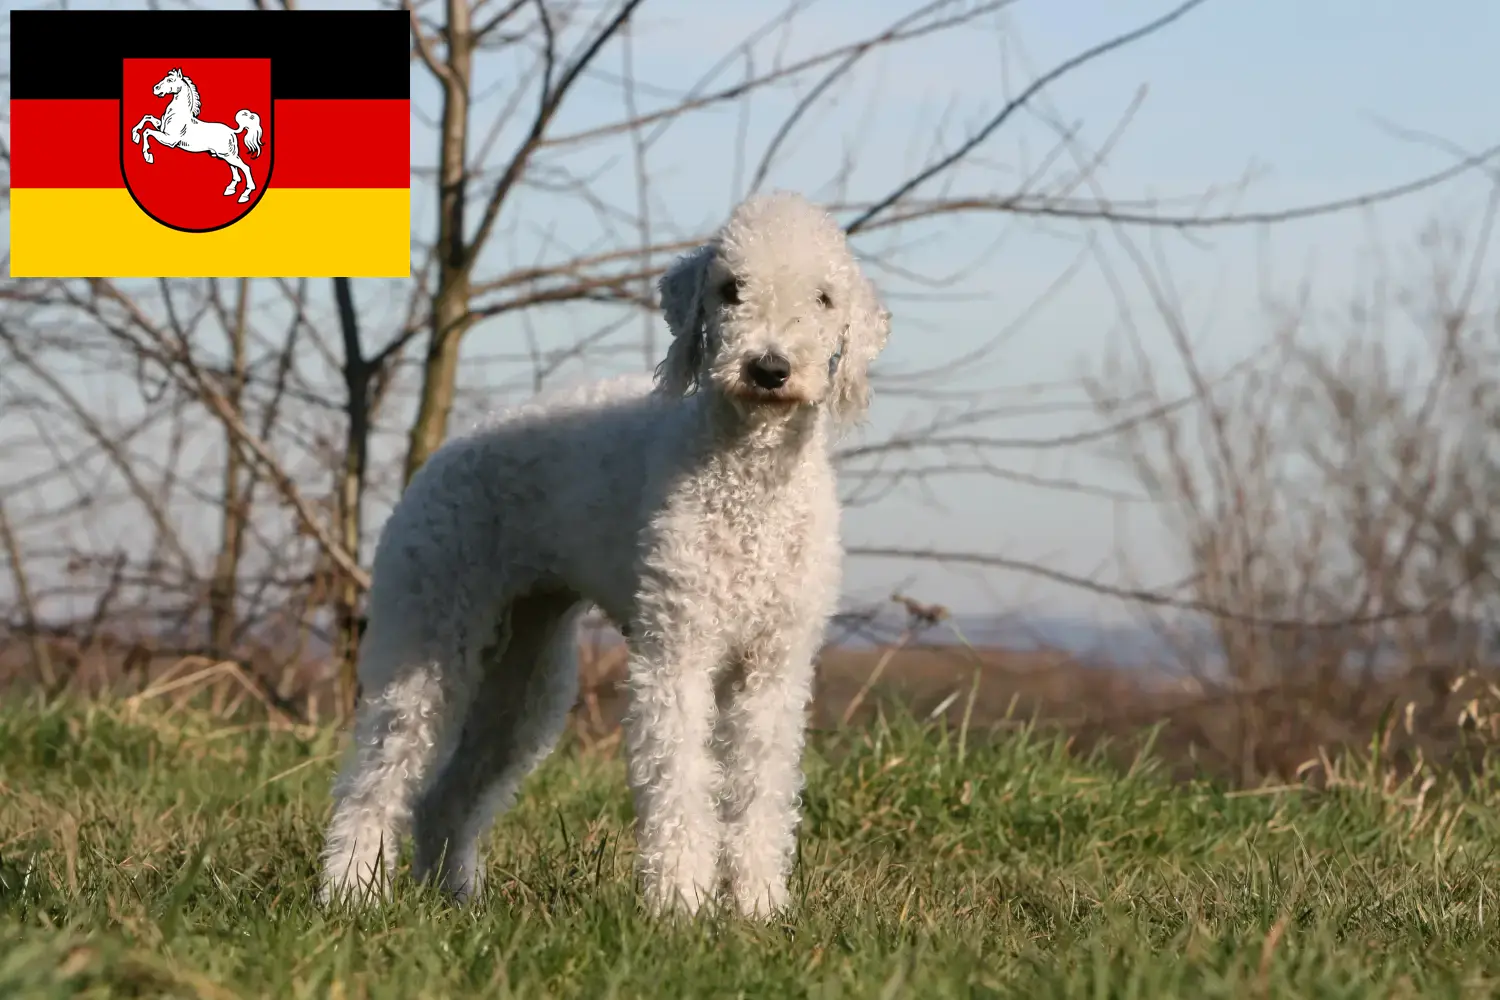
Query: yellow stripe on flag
293, 232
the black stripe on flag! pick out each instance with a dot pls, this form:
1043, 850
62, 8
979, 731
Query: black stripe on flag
329, 54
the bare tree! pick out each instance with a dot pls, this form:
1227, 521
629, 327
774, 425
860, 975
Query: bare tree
296, 398
224, 588
1335, 502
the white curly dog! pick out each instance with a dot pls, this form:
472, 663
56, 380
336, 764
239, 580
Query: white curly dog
702, 517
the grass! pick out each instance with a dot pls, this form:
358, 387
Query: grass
166, 855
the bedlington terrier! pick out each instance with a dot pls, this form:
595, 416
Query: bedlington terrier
700, 516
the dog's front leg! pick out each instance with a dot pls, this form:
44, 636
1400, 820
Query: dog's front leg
673, 775
760, 734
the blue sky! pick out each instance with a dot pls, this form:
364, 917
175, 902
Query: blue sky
1292, 94
1288, 92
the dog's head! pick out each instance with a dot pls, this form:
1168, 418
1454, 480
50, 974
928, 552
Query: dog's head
774, 312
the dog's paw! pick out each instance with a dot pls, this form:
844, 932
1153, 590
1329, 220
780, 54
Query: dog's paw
353, 893
662, 899
763, 901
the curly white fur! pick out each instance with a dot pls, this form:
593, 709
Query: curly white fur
702, 517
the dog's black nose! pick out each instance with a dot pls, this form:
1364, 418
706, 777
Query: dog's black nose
770, 371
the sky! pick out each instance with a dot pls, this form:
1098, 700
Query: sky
1302, 98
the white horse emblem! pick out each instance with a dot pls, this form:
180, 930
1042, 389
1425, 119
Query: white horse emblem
180, 128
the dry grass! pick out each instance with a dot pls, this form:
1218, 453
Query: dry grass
1277, 733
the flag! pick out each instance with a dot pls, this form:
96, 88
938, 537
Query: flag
210, 143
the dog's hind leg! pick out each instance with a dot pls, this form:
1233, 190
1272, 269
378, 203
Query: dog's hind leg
404, 730
514, 722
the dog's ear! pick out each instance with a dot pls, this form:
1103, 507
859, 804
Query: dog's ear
682, 307
869, 329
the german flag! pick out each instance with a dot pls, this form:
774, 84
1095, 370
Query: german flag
210, 143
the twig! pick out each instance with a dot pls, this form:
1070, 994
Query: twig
41, 658
1062, 69
920, 617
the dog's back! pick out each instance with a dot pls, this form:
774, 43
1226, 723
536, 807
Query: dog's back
503, 509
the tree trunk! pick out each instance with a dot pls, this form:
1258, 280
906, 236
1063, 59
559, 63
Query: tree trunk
450, 304
223, 589
351, 491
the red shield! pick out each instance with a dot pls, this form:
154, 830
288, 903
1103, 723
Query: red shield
196, 139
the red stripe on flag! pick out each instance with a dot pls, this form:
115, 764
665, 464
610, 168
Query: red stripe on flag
65, 144
318, 144
342, 144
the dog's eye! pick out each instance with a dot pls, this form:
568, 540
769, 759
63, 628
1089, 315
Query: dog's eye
730, 291
825, 300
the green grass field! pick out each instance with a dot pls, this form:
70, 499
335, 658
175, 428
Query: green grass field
164, 855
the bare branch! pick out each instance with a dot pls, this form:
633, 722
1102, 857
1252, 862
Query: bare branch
1059, 71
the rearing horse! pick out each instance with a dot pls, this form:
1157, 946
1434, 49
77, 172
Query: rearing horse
180, 128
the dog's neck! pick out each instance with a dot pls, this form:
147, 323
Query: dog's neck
776, 441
